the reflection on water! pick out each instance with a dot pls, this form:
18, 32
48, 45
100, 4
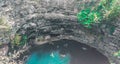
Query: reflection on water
65, 52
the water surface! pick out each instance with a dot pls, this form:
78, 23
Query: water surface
65, 52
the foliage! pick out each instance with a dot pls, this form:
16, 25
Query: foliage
19, 40
88, 17
105, 10
3, 24
111, 29
1, 21
117, 53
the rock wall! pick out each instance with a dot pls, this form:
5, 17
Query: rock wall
48, 20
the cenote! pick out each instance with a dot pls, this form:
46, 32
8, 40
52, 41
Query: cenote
65, 52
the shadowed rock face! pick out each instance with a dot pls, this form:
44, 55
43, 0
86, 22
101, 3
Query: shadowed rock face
78, 53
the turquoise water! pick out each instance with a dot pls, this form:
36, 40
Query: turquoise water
65, 52
48, 58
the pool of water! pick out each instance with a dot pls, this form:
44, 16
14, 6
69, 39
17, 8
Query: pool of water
48, 58
65, 52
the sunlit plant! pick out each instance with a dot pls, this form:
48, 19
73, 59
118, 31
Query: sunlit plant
88, 17
116, 54
3, 24
19, 40
106, 9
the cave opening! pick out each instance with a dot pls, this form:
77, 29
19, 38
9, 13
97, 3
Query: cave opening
65, 51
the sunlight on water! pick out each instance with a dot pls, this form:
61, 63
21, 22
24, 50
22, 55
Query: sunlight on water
65, 52
48, 58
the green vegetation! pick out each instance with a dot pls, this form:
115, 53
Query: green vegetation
19, 40
116, 54
1, 21
23, 40
88, 17
3, 24
105, 10
111, 29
